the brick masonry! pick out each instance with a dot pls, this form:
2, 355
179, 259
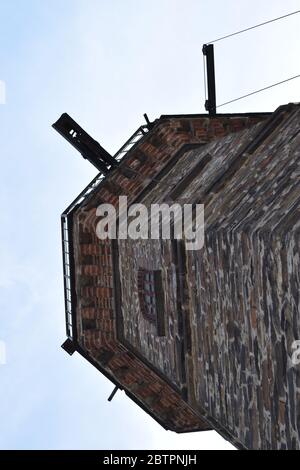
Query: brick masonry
225, 361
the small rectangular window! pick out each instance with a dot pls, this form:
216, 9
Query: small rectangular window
88, 323
151, 298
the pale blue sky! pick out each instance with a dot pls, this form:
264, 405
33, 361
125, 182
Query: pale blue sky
104, 62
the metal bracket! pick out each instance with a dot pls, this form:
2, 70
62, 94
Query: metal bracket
69, 346
85, 144
149, 123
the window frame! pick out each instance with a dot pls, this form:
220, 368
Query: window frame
151, 298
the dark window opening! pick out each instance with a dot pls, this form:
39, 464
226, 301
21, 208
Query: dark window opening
88, 323
151, 298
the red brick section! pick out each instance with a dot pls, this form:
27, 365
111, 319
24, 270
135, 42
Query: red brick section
94, 267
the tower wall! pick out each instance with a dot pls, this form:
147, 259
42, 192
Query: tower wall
159, 381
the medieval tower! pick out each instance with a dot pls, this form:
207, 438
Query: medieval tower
200, 339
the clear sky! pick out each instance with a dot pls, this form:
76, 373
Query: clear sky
105, 62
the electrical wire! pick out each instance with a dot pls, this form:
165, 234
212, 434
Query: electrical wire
253, 27
258, 91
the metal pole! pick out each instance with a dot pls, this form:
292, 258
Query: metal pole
113, 393
210, 103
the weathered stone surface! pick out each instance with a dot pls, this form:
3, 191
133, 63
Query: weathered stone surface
233, 315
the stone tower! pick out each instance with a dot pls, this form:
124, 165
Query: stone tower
201, 339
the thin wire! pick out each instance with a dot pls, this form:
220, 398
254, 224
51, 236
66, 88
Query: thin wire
255, 26
258, 91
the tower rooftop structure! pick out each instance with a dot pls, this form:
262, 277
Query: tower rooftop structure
215, 351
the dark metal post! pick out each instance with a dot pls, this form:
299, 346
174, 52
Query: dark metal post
149, 124
210, 103
110, 398
85, 144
